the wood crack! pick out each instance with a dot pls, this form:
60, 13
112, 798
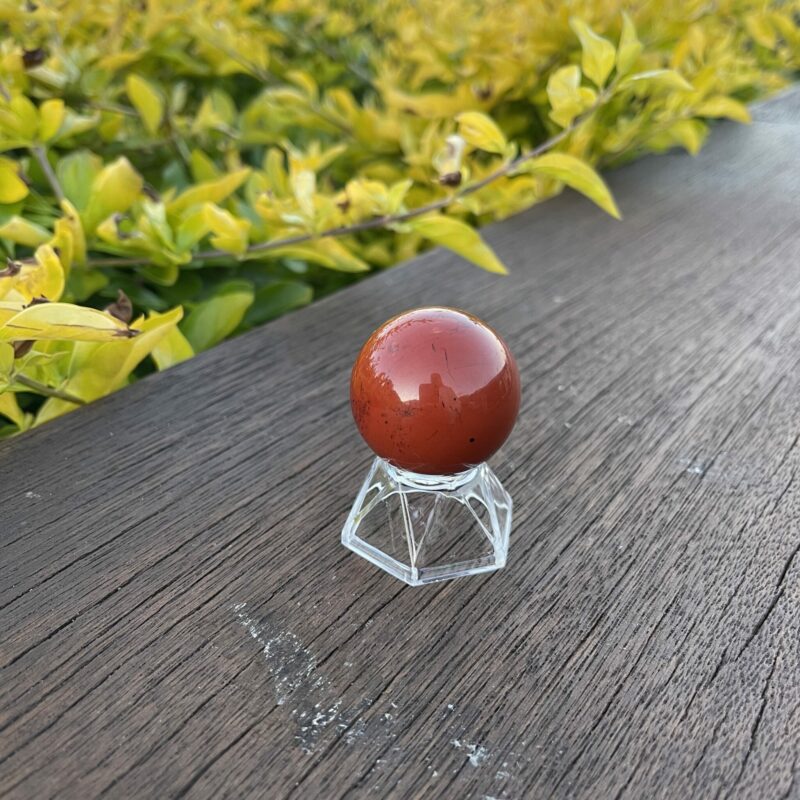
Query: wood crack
756, 723
781, 587
603, 713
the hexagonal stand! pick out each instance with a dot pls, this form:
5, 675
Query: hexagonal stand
426, 528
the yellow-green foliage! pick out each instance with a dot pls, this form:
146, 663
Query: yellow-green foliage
237, 158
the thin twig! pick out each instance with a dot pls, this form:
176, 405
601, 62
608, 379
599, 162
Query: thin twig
114, 108
48, 391
118, 262
388, 219
394, 219
178, 143
41, 157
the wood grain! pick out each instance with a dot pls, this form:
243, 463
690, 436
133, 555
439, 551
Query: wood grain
178, 618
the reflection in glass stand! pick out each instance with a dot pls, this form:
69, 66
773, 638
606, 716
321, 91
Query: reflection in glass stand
426, 528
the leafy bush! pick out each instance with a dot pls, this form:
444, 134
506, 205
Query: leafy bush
237, 158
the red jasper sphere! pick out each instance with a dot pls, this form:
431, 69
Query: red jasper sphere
435, 391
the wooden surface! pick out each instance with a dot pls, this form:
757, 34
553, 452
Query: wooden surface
178, 618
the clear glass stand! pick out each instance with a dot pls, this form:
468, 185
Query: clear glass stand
426, 528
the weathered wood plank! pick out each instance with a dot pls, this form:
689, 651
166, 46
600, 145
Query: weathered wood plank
178, 619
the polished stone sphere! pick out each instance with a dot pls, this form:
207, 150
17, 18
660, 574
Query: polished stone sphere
435, 391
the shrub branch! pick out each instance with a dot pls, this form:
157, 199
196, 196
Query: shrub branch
40, 155
47, 391
388, 219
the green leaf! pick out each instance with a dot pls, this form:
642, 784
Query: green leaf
147, 100
203, 168
12, 187
689, 133
51, 116
26, 114
275, 299
397, 195
22, 231
759, 28
98, 368
577, 174
9, 407
229, 233
50, 321
304, 187
43, 276
460, 238
212, 320
308, 251
69, 235
481, 131
275, 172
83, 283
216, 110
661, 78
153, 224
305, 81
326, 252
192, 229
342, 258
629, 46
115, 189
209, 192
76, 173
722, 106
566, 95
6, 366
73, 124
141, 295
598, 55
173, 348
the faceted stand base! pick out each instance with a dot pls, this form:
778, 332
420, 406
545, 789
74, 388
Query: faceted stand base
425, 528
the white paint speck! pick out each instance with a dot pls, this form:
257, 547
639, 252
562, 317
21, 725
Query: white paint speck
475, 753
293, 667
355, 731
325, 717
